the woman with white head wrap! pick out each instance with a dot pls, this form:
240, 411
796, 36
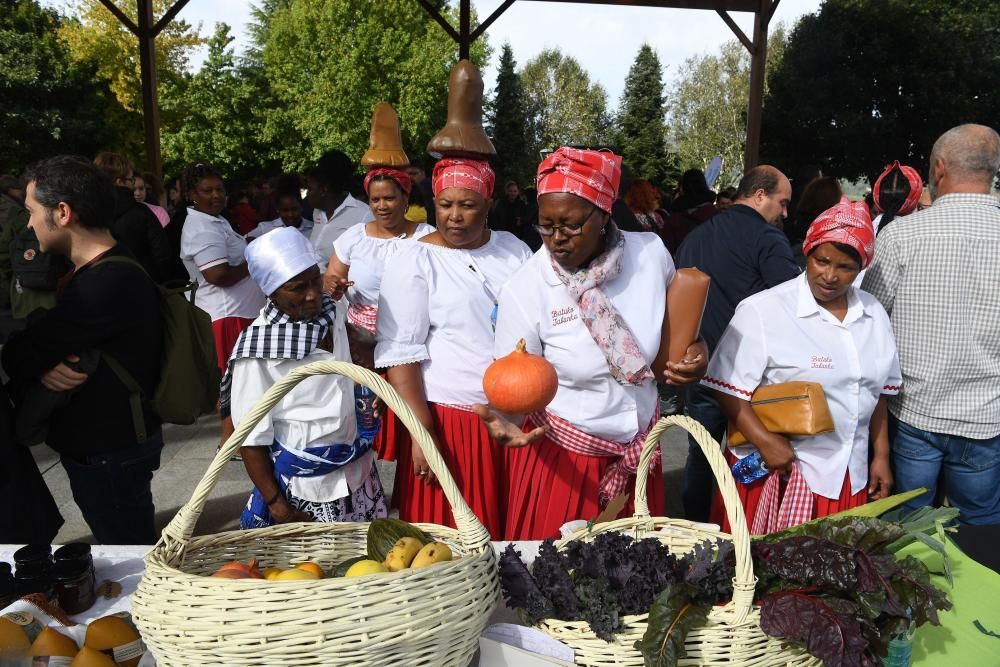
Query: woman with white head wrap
305, 458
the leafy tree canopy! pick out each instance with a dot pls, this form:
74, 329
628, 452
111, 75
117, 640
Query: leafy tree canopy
641, 129
865, 82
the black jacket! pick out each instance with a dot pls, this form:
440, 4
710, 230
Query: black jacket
137, 228
112, 307
743, 255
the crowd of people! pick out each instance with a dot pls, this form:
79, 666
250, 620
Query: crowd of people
891, 306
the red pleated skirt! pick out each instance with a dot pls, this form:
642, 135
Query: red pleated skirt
389, 434
475, 462
750, 498
226, 331
548, 485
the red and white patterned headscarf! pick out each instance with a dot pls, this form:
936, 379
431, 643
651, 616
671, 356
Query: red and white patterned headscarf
475, 175
912, 177
400, 177
846, 222
592, 175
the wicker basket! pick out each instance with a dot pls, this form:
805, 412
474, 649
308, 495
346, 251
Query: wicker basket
732, 635
428, 616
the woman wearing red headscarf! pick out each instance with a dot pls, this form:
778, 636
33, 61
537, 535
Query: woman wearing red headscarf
356, 266
592, 301
436, 315
817, 328
896, 193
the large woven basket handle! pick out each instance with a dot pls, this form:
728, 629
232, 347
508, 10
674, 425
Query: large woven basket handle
744, 582
180, 529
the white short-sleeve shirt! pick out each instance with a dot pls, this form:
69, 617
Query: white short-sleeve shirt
436, 307
535, 306
305, 228
326, 230
783, 335
318, 411
366, 256
208, 241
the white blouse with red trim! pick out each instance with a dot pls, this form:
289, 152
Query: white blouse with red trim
784, 335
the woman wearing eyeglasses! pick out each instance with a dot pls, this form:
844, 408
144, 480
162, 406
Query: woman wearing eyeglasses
592, 301
437, 309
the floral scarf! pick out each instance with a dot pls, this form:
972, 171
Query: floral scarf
602, 319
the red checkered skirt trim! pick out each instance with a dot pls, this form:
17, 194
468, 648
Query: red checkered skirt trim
363, 316
616, 479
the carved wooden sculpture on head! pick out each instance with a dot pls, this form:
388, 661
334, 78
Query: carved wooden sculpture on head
463, 134
385, 144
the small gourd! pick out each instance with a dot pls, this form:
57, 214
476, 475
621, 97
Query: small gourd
521, 382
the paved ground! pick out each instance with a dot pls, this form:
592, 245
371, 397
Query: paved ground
189, 450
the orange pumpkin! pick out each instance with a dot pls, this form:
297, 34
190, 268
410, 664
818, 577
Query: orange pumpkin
520, 383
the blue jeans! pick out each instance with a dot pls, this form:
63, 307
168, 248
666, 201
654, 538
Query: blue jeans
699, 481
113, 491
971, 470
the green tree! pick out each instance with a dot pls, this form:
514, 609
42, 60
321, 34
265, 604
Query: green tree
866, 82
564, 107
642, 132
215, 116
508, 124
708, 107
95, 35
329, 62
48, 102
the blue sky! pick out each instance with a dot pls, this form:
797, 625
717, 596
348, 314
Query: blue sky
604, 39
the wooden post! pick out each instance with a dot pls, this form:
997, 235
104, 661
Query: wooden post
464, 29
758, 60
150, 105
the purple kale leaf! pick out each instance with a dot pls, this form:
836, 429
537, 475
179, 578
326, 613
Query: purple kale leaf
549, 572
599, 606
519, 587
710, 568
833, 637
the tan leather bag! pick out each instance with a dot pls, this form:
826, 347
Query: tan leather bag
789, 408
686, 298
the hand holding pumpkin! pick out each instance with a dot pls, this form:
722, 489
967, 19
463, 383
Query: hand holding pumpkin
504, 432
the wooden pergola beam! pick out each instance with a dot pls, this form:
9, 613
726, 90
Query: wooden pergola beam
740, 35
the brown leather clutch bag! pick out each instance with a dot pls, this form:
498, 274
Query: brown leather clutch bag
789, 408
686, 299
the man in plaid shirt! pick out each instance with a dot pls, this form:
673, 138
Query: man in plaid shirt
937, 272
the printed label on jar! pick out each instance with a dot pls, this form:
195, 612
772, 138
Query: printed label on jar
128, 651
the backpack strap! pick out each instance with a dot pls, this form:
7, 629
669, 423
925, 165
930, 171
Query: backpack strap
134, 398
135, 391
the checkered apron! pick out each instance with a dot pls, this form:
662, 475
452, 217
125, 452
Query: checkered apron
794, 508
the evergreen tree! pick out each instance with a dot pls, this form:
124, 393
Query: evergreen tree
642, 130
508, 125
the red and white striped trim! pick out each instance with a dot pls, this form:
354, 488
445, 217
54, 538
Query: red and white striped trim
453, 406
796, 506
616, 479
363, 316
726, 385
892, 387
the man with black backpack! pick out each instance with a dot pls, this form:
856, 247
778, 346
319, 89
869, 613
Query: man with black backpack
108, 309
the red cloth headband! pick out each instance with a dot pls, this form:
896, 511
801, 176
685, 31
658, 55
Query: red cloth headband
475, 175
846, 222
400, 177
912, 177
592, 175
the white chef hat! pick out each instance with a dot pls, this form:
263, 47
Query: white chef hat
277, 257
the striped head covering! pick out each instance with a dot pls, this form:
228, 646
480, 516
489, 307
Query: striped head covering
592, 175
475, 175
846, 222
400, 177
912, 177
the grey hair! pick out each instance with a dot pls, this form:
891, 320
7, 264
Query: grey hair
971, 151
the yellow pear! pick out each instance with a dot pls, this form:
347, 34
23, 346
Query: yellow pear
363, 567
402, 554
435, 552
294, 574
271, 572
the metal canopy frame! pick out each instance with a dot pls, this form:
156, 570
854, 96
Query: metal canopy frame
146, 30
